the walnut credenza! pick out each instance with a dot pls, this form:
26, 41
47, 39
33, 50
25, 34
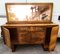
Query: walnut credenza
45, 34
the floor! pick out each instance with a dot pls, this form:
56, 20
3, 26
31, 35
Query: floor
28, 49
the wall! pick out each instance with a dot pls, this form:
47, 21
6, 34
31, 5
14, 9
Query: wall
56, 5
56, 9
2, 21
2, 5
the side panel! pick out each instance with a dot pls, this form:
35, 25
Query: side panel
53, 38
6, 36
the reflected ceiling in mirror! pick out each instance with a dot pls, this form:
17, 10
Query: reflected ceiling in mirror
29, 12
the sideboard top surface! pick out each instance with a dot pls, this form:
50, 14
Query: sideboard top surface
19, 25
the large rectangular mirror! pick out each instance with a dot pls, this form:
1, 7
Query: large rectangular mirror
41, 12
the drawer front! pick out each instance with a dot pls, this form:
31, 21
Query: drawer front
40, 29
23, 29
30, 29
38, 37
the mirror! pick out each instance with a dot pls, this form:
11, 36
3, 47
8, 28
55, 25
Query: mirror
29, 11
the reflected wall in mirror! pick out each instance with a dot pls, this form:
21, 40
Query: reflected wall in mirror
29, 11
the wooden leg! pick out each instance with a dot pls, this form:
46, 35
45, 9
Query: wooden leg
13, 48
45, 48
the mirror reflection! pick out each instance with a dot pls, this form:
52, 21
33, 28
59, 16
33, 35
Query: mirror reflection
29, 12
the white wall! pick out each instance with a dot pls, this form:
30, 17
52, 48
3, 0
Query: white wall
56, 4
2, 5
2, 21
55, 11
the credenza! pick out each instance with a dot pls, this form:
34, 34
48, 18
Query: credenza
45, 34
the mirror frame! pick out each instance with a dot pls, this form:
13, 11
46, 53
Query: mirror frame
28, 4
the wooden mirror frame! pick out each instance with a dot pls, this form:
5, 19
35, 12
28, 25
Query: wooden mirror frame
29, 4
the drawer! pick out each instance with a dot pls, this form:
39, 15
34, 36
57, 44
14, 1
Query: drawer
30, 29
23, 29
22, 33
36, 29
40, 29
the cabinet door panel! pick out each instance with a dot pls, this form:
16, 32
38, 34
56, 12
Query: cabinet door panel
7, 36
53, 38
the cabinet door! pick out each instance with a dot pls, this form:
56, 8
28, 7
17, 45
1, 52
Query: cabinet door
53, 38
7, 36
